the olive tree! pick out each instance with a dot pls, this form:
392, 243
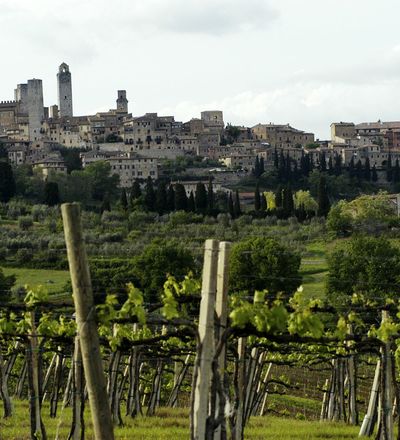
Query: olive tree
263, 263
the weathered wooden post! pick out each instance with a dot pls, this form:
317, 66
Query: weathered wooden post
37, 426
206, 340
78, 401
265, 391
85, 318
239, 426
221, 311
386, 431
367, 422
352, 386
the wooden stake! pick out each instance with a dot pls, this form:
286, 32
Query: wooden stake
221, 311
85, 318
387, 391
367, 422
37, 426
206, 340
239, 427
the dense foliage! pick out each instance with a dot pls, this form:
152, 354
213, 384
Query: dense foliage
363, 270
262, 263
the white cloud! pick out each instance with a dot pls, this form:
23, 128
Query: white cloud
175, 16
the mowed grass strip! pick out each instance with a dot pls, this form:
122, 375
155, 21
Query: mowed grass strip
53, 280
174, 424
314, 269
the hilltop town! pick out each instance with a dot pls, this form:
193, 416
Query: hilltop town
136, 147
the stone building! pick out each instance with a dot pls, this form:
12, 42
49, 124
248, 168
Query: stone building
122, 102
51, 163
213, 121
17, 154
342, 132
241, 161
35, 110
64, 83
21, 96
281, 136
131, 166
128, 166
8, 111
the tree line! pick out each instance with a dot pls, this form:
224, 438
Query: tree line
163, 198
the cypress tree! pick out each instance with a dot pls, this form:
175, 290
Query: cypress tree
191, 205
311, 161
257, 201
7, 182
180, 197
276, 159
374, 176
236, 206
396, 172
210, 196
351, 167
281, 167
389, 170
123, 200
278, 197
295, 171
230, 206
367, 170
330, 165
263, 204
303, 164
161, 198
288, 168
170, 199
201, 198
359, 170
136, 192
322, 162
262, 166
51, 194
323, 199
301, 213
105, 204
287, 202
256, 170
338, 165
150, 195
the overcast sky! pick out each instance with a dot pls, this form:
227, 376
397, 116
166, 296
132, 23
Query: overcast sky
304, 62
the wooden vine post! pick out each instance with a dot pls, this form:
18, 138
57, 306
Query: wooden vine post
206, 340
85, 318
221, 314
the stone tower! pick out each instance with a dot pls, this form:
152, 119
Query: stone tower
64, 90
35, 109
122, 102
21, 96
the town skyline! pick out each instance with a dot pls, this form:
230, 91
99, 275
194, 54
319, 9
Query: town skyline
258, 62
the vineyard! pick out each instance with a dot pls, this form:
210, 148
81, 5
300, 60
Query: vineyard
212, 363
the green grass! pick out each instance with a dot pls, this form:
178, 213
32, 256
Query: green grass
53, 280
174, 424
314, 269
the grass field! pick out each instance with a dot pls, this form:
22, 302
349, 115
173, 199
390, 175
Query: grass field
174, 424
53, 280
314, 269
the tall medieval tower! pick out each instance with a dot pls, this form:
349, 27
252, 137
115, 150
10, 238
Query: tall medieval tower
35, 109
64, 90
122, 102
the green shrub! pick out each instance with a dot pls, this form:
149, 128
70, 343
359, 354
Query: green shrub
263, 263
25, 222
